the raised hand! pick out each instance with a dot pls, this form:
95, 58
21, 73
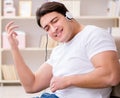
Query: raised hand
10, 29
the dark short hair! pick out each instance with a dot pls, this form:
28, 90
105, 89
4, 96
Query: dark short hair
50, 7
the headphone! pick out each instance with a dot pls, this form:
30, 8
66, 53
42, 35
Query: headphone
68, 15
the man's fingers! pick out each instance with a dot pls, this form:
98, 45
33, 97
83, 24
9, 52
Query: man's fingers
9, 27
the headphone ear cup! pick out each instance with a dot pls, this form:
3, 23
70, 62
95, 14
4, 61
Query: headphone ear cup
68, 15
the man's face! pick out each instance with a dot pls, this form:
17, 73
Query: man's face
57, 26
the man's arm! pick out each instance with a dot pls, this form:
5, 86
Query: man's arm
105, 74
32, 82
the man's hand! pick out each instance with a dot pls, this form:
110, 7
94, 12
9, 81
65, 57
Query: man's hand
12, 34
58, 83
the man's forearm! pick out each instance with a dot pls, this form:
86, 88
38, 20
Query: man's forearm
95, 79
25, 74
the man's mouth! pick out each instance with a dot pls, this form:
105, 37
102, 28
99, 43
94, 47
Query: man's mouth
55, 35
58, 34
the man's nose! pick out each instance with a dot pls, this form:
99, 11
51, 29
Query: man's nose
53, 29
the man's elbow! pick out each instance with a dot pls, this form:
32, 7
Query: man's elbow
29, 91
114, 79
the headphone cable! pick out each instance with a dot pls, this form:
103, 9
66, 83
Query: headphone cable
46, 48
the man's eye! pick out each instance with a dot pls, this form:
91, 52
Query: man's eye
47, 28
55, 20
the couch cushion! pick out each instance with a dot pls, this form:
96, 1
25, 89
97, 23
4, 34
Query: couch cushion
116, 91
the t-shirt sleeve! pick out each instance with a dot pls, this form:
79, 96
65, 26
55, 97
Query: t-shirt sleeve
98, 41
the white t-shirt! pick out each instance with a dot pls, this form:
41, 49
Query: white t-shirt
74, 58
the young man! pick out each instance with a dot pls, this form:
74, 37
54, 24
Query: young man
84, 65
